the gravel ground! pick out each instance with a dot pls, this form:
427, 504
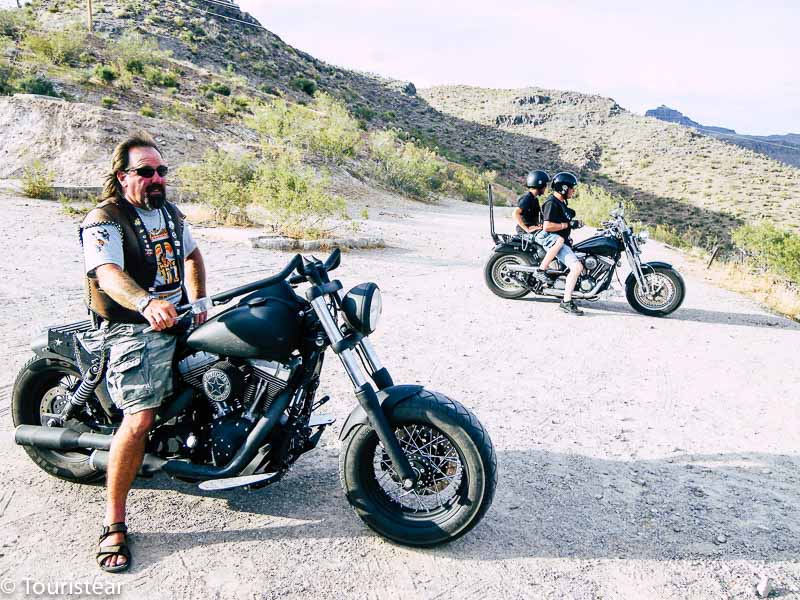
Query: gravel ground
639, 457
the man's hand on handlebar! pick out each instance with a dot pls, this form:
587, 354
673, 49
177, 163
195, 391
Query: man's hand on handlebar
160, 314
534, 228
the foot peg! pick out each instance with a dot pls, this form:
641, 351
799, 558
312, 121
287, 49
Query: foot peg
321, 420
229, 483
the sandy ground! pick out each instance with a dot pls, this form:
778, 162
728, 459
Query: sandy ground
639, 457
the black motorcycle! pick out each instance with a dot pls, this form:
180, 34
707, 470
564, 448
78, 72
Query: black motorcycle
416, 466
653, 288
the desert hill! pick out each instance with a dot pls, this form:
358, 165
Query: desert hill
218, 60
784, 148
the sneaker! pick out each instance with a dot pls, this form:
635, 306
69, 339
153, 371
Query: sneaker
570, 308
541, 277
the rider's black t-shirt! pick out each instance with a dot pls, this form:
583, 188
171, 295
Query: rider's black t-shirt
530, 209
556, 211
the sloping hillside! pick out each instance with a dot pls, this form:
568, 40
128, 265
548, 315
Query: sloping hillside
214, 61
675, 175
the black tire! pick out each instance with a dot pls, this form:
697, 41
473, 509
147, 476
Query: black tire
474, 477
666, 302
38, 378
499, 281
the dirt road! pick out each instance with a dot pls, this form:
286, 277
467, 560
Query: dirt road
639, 457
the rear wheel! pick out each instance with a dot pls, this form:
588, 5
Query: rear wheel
39, 391
500, 280
455, 462
666, 291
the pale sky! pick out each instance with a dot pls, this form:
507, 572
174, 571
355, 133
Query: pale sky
730, 63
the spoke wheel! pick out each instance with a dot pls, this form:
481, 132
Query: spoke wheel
40, 392
452, 457
666, 291
435, 461
501, 280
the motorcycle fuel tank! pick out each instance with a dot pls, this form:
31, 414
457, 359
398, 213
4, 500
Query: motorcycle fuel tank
603, 245
265, 324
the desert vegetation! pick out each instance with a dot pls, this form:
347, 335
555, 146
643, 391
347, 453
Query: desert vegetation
288, 178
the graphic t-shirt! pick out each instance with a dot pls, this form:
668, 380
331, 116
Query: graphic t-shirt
529, 206
556, 211
102, 244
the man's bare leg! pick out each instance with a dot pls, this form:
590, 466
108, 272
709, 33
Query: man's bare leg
124, 460
574, 272
551, 254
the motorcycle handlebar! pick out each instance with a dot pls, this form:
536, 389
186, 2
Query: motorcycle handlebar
295, 263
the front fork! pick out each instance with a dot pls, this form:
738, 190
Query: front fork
345, 348
636, 269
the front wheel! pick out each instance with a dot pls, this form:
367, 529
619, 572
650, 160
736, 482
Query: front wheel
455, 460
666, 291
503, 282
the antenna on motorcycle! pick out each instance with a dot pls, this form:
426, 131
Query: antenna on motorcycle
490, 193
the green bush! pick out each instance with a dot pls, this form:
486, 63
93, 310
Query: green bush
775, 249
37, 181
160, 78
106, 73
404, 166
223, 182
468, 184
593, 204
57, 47
6, 85
304, 84
147, 111
363, 112
38, 84
134, 65
324, 128
135, 49
297, 201
12, 23
215, 87
108, 102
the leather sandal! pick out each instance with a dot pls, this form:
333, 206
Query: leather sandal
104, 552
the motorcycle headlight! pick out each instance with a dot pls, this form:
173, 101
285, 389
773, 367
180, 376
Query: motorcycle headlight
362, 307
643, 236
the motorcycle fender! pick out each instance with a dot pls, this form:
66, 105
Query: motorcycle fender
503, 248
388, 398
652, 263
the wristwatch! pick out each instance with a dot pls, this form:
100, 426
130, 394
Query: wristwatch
142, 304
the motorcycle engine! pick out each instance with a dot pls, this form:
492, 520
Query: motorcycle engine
596, 268
231, 389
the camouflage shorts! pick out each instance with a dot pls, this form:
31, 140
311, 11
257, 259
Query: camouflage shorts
139, 371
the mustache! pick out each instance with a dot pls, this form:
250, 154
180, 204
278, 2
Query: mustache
155, 187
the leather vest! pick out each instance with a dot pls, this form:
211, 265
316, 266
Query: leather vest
139, 263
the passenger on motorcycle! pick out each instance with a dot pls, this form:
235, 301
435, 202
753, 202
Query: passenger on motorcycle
527, 213
558, 220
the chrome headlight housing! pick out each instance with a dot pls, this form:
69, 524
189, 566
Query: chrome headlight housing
362, 307
643, 236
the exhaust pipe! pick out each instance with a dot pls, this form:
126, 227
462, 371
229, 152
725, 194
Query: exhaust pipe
98, 461
58, 438
186, 470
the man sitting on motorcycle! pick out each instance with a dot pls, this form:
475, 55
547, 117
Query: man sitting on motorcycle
527, 214
558, 220
140, 260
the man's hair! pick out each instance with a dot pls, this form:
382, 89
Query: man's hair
112, 189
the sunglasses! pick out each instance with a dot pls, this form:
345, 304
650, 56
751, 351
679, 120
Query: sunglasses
148, 172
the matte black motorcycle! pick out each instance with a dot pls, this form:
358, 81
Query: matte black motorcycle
416, 466
653, 288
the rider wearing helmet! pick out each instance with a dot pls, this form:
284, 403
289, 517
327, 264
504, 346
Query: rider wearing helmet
527, 212
558, 219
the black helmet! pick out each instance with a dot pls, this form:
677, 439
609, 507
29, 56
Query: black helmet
537, 179
564, 181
